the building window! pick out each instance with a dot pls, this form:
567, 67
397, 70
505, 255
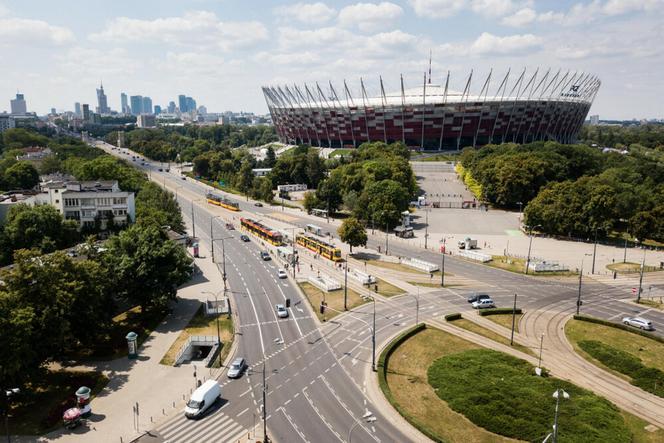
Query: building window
71, 202
72, 215
106, 201
120, 201
57, 201
87, 202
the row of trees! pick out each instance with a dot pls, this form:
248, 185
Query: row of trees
51, 304
573, 190
375, 184
649, 136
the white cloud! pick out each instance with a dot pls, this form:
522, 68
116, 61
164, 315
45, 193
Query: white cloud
498, 8
370, 16
21, 30
308, 13
4, 11
437, 8
521, 17
193, 28
618, 7
489, 44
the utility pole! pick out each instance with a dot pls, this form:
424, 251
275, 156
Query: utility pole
442, 271
625, 253
346, 284
193, 221
294, 260
223, 254
594, 251
643, 265
265, 439
373, 337
530, 245
426, 229
513, 321
212, 236
578, 297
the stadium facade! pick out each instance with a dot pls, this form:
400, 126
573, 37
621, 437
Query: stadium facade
524, 108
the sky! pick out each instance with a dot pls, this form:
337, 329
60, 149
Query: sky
222, 51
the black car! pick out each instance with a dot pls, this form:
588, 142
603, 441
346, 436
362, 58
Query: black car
244, 237
477, 297
265, 256
258, 204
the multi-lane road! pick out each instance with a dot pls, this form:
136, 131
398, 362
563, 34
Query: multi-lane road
316, 376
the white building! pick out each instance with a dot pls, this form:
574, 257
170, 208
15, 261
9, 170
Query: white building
6, 122
86, 202
146, 121
261, 172
292, 188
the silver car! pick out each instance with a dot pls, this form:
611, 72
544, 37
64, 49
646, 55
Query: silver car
282, 312
236, 368
484, 303
639, 322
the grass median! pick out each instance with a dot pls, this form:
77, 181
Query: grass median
201, 324
456, 391
518, 265
491, 335
334, 300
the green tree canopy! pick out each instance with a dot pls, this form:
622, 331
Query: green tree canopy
21, 175
352, 232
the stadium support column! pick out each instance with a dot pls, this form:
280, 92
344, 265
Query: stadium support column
548, 105
364, 103
424, 107
484, 91
466, 93
350, 112
537, 105
329, 110
383, 100
517, 87
336, 97
403, 104
524, 115
442, 126
503, 86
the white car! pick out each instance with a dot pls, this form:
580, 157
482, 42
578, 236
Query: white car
282, 274
639, 322
282, 312
236, 368
483, 304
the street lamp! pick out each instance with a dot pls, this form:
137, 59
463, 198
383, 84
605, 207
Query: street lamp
212, 217
539, 361
559, 393
8, 394
594, 252
176, 191
530, 244
643, 265
346, 283
426, 228
578, 297
417, 305
520, 211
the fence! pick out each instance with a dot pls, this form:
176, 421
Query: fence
197, 340
420, 264
474, 255
545, 266
362, 277
324, 283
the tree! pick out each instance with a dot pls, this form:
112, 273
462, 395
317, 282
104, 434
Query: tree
40, 226
383, 202
21, 175
245, 178
146, 268
352, 232
310, 201
270, 158
157, 206
50, 165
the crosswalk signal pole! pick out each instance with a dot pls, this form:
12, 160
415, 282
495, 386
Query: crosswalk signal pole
265, 439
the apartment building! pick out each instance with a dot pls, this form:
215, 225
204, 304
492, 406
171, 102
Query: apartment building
89, 201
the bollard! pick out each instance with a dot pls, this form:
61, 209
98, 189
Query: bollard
151, 421
173, 404
163, 411
120, 439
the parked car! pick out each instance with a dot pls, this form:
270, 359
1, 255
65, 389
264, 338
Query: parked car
244, 237
639, 322
483, 304
237, 368
184, 177
258, 204
160, 170
282, 312
230, 226
282, 274
265, 256
476, 296
168, 169
203, 397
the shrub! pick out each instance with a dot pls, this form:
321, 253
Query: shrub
452, 317
496, 311
630, 329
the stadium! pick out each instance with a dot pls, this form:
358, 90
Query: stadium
523, 108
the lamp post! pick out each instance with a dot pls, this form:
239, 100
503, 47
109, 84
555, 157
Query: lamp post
594, 252
368, 417
539, 361
346, 283
176, 191
294, 251
559, 393
8, 394
578, 297
373, 337
625, 253
216, 307
530, 244
643, 265
387, 232
212, 217
520, 211
417, 306
513, 321
426, 229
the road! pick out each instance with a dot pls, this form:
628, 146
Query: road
316, 377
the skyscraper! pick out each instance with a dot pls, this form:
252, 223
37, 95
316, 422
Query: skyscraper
123, 103
147, 105
18, 105
77, 109
136, 102
157, 109
171, 107
102, 102
191, 104
182, 103
86, 112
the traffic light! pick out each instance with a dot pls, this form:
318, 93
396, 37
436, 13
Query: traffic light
288, 302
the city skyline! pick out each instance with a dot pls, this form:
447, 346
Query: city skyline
236, 49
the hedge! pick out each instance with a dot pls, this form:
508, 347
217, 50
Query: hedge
611, 324
452, 317
495, 311
383, 361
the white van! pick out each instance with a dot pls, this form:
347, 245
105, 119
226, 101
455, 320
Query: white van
202, 398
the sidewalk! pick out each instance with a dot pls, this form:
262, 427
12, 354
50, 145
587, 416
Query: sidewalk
158, 390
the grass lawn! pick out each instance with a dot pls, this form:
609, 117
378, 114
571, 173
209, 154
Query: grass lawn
502, 394
630, 267
342, 151
518, 265
201, 324
387, 289
334, 300
488, 333
114, 344
632, 357
505, 320
38, 408
656, 303
407, 380
439, 158
428, 284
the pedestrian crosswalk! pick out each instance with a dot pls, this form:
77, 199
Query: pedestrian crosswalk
215, 427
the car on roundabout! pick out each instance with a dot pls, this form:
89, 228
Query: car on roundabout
484, 304
282, 312
282, 273
638, 322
